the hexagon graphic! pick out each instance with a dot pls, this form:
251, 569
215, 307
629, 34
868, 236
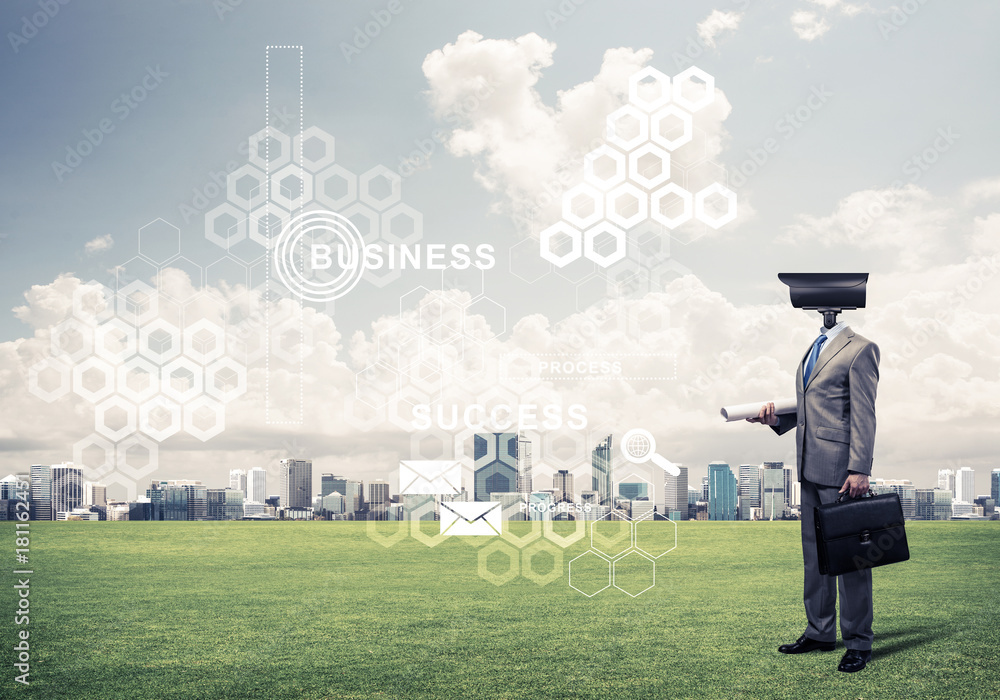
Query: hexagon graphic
50, 367
159, 341
245, 187
107, 459
583, 205
594, 249
204, 418
225, 379
181, 279
159, 240
182, 379
313, 148
495, 315
93, 379
115, 340
522, 541
604, 167
361, 416
380, 187
365, 219
593, 573
649, 166
126, 460
119, 410
93, 302
513, 566
71, 339
655, 536
225, 225
687, 92
266, 222
138, 380
528, 563
561, 228
649, 89
336, 187
160, 418
138, 268
270, 149
659, 202
291, 187
627, 127
204, 341
525, 264
722, 219
634, 573
627, 206
138, 303
612, 534
402, 224
548, 531
374, 527
376, 384
664, 127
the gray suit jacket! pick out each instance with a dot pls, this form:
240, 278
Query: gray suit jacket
835, 418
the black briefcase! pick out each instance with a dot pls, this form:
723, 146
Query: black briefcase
860, 533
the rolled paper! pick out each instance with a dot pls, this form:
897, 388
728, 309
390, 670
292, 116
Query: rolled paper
752, 410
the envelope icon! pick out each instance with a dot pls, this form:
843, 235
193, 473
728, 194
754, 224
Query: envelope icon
475, 518
430, 477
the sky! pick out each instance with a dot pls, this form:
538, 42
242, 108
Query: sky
854, 137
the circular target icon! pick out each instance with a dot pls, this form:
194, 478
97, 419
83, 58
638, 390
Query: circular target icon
319, 255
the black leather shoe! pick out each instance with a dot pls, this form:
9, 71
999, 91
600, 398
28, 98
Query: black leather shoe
804, 644
854, 660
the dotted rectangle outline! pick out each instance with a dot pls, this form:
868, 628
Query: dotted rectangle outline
504, 376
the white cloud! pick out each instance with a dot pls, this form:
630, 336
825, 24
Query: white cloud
809, 25
717, 23
99, 244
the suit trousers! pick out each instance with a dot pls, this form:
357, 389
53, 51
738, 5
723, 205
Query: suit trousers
820, 590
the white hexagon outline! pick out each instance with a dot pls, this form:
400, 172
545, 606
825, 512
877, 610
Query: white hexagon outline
304, 176
100, 442
580, 556
204, 357
650, 517
699, 205
253, 223
177, 232
671, 111
245, 170
65, 379
204, 402
621, 141
678, 89
621, 517
521, 542
385, 395
633, 166
621, 169
159, 324
172, 407
374, 220
299, 156
590, 236
402, 209
276, 163
241, 379
513, 556
100, 413
97, 363
125, 313
639, 76
121, 456
575, 251
86, 332
417, 533
319, 187
129, 333
470, 311
622, 558
596, 196
241, 225
627, 188
109, 302
197, 384
395, 188
660, 217
154, 380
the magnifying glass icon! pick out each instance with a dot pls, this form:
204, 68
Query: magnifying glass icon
638, 447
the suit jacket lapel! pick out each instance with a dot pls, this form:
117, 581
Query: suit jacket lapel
836, 345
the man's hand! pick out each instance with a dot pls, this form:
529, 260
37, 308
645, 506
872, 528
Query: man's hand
766, 415
856, 485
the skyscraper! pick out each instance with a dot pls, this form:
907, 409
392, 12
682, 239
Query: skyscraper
41, 492
94, 494
995, 486
965, 485
722, 491
675, 494
495, 465
603, 469
789, 480
523, 464
704, 489
946, 480
772, 490
378, 499
295, 477
256, 485
749, 490
67, 487
351, 489
238, 480
562, 484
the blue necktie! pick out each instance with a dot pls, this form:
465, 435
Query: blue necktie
811, 362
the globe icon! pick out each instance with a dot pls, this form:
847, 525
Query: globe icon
637, 446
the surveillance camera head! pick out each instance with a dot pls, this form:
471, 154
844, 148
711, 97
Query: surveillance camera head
826, 292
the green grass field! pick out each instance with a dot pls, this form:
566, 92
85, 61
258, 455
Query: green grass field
319, 610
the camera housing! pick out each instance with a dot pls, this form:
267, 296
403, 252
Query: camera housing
826, 292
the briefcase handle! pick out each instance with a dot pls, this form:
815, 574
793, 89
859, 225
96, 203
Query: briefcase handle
871, 492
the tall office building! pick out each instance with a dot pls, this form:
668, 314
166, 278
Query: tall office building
295, 483
995, 486
256, 485
224, 504
675, 494
67, 487
722, 492
524, 480
378, 499
185, 499
94, 494
41, 492
789, 480
965, 485
749, 490
351, 489
562, 484
602, 463
495, 466
704, 489
933, 504
946, 480
238, 480
772, 490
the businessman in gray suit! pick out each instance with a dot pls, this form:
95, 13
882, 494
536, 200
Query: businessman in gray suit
834, 426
